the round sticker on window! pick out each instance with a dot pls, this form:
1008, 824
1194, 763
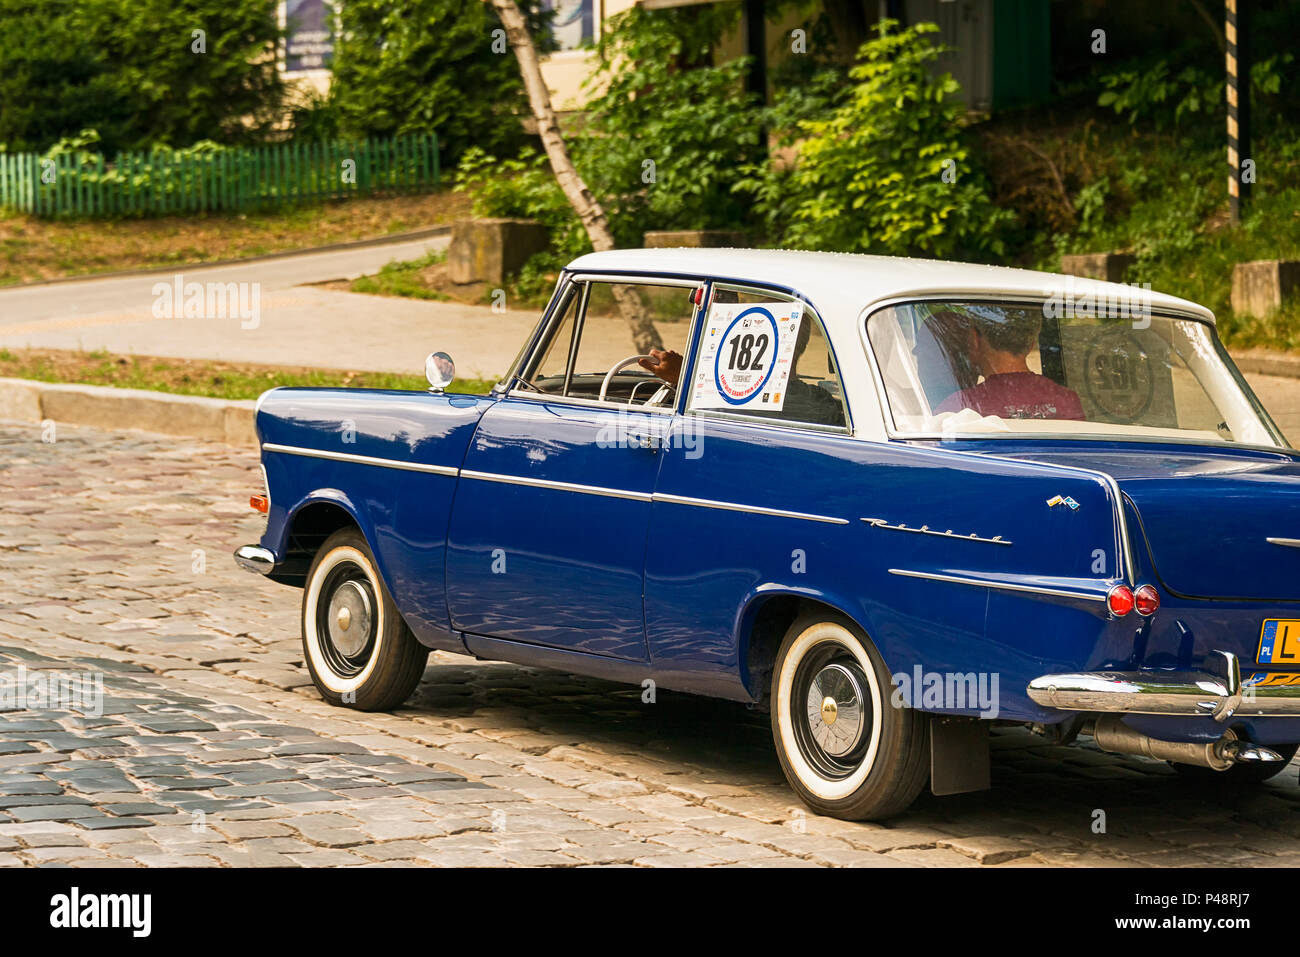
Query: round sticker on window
744, 360
745, 356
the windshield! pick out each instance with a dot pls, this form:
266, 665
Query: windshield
988, 368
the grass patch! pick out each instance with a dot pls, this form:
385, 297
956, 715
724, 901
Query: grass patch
404, 279
221, 380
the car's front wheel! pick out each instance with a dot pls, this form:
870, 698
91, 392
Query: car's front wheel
844, 748
359, 651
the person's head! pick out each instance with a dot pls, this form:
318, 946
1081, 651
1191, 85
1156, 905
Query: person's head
996, 337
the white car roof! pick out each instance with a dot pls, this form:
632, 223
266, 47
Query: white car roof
841, 285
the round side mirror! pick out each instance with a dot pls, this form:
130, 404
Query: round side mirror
439, 370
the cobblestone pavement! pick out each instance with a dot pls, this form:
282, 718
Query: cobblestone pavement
213, 749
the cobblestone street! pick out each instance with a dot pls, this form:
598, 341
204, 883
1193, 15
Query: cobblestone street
213, 748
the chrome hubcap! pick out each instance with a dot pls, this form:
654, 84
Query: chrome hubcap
349, 618
836, 717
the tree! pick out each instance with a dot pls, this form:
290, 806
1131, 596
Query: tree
428, 66
584, 203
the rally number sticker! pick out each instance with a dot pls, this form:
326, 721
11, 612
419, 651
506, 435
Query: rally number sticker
745, 356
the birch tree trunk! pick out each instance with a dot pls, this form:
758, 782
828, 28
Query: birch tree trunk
592, 216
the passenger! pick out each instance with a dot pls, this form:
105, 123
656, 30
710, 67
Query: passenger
998, 349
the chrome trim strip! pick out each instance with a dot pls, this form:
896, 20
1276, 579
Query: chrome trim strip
927, 530
255, 558
1288, 542
561, 486
752, 509
1004, 586
360, 459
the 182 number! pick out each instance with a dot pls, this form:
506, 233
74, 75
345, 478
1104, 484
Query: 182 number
747, 352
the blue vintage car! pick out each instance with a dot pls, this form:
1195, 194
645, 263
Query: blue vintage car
889, 501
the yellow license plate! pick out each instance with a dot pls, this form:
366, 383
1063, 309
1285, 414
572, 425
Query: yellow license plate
1279, 642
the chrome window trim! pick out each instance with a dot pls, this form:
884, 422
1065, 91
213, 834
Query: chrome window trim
581, 403
1288, 542
1000, 585
782, 296
752, 509
360, 459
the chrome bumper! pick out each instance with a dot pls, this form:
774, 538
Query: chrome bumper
255, 558
1178, 693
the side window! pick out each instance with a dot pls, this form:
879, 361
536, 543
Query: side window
594, 332
767, 356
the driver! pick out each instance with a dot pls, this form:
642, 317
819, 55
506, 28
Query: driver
998, 349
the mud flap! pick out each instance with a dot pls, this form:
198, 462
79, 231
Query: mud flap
959, 754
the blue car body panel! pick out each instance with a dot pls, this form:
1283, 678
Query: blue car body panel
506, 526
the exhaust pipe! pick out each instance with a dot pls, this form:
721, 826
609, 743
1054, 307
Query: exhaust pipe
1112, 734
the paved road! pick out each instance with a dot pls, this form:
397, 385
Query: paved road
293, 324
212, 749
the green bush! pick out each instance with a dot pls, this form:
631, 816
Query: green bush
888, 169
1151, 94
668, 130
129, 69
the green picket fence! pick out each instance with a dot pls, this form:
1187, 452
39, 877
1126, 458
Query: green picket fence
166, 182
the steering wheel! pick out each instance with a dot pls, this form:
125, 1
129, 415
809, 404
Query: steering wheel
655, 399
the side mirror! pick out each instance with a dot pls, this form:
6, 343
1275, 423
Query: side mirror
439, 370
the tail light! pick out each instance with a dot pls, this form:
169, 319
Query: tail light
1120, 600
1147, 600
259, 502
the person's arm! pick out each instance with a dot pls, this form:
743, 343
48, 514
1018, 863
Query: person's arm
666, 364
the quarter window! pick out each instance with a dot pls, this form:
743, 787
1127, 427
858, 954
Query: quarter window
766, 356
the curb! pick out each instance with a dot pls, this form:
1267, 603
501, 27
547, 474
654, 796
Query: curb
427, 233
1261, 362
106, 407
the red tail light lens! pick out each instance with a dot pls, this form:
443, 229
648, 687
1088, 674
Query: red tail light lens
1120, 600
1147, 600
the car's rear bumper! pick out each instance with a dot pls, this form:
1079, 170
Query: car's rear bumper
255, 558
1178, 693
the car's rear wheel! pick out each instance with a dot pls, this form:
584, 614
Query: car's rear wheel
358, 649
1251, 772
846, 751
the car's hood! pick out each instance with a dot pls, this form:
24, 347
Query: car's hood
1217, 523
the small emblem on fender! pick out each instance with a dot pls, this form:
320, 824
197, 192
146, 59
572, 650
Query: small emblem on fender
1056, 500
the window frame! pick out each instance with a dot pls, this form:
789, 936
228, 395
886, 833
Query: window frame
895, 434
580, 283
749, 417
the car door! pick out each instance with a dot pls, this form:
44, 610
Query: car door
548, 529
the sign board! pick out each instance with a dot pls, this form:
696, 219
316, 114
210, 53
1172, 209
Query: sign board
309, 27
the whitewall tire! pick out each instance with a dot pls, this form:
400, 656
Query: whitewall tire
846, 751
358, 649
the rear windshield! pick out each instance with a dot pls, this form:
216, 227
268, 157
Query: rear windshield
987, 368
